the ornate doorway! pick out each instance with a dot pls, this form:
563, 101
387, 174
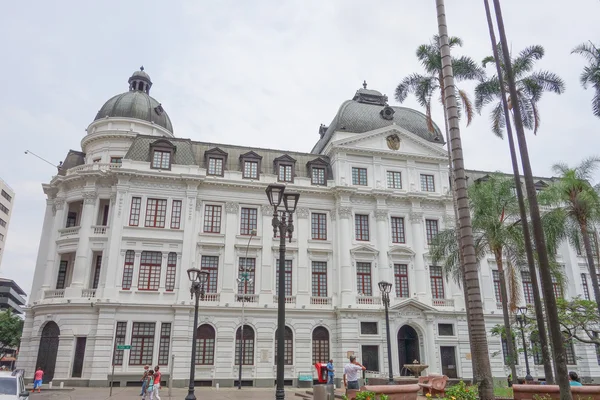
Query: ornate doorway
408, 348
48, 350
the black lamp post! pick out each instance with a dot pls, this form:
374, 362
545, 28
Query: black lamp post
282, 222
385, 288
198, 279
521, 312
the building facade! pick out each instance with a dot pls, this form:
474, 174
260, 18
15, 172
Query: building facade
7, 196
134, 209
12, 297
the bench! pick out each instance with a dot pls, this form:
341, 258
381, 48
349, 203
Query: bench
528, 392
433, 385
395, 392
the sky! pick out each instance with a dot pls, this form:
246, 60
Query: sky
263, 73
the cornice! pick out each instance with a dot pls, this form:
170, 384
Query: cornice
395, 154
107, 134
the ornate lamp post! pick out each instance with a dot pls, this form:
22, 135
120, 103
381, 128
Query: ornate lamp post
244, 280
282, 222
521, 319
198, 279
385, 288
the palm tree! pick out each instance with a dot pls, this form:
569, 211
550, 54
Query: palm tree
477, 332
577, 207
591, 73
496, 230
530, 88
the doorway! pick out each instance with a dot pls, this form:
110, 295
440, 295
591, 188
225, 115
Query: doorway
370, 355
79, 355
48, 350
448, 356
408, 348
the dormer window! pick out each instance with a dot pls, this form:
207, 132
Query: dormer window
285, 168
285, 173
318, 171
215, 160
317, 176
161, 152
250, 163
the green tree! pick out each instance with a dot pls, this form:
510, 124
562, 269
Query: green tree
579, 319
591, 72
11, 328
576, 207
494, 209
530, 88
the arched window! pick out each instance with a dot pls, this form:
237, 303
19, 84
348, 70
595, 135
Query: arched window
536, 348
569, 350
288, 347
320, 345
205, 345
247, 346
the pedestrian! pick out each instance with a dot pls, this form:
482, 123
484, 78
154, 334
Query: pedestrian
37, 380
330, 372
574, 379
352, 373
157, 376
149, 385
144, 380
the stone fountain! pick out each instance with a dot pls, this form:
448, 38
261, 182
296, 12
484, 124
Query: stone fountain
416, 368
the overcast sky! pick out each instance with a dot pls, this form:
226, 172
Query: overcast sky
260, 73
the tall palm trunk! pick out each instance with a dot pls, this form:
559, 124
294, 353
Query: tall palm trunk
510, 344
538, 234
589, 253
537, 300
477, 326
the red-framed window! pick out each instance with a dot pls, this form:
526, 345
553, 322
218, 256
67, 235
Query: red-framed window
164, 344
359, 176
134, 214
247, 346
398, 235
61, 279
248, 222
142, 343
437, 282
558, 293
176, 215
497, 291
363, 278
171, 272
215, 166
205, 345
210, 264
427, 183
320, 345
288, 346
120, 333
586, 290
212, 219
394, 180
401, 280
156, 213
149, 278
247, 265
319, 279
128, 270
527, 287
361, 227
97, 270
287, 277
318, 226
431, 228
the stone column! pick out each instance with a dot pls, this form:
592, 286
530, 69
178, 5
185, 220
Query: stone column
83, 254
52, 259
110, 277
302, 273
229, 258
346, 275
267, 284
420, 274
383, 244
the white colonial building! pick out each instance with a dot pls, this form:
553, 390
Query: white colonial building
134, 209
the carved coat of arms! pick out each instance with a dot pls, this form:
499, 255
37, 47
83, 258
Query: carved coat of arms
393, 142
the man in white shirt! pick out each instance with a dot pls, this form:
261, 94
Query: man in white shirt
352, 373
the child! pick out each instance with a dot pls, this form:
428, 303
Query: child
37, 380
149, 385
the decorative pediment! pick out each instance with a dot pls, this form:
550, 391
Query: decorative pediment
317, 162
251, 155
285, 158
215, 151
400, 252
163, 143
412, 306
364, 250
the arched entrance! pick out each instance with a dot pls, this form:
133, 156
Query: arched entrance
48, 350
408, 348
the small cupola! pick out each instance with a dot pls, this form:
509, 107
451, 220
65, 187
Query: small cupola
140, 81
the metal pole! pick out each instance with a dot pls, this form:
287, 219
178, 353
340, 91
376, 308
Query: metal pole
528, 377
112, 375
171, 373
191, 395
279, 392
242, 347
386, 301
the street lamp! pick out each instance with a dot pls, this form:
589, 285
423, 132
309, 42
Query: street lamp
282, 222
244, 279
198, 279
385, 288
521, 319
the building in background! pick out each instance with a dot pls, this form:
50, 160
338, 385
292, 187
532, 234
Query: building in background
134, 209
11, 296
7, 199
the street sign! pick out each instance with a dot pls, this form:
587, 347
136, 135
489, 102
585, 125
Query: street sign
124, 347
